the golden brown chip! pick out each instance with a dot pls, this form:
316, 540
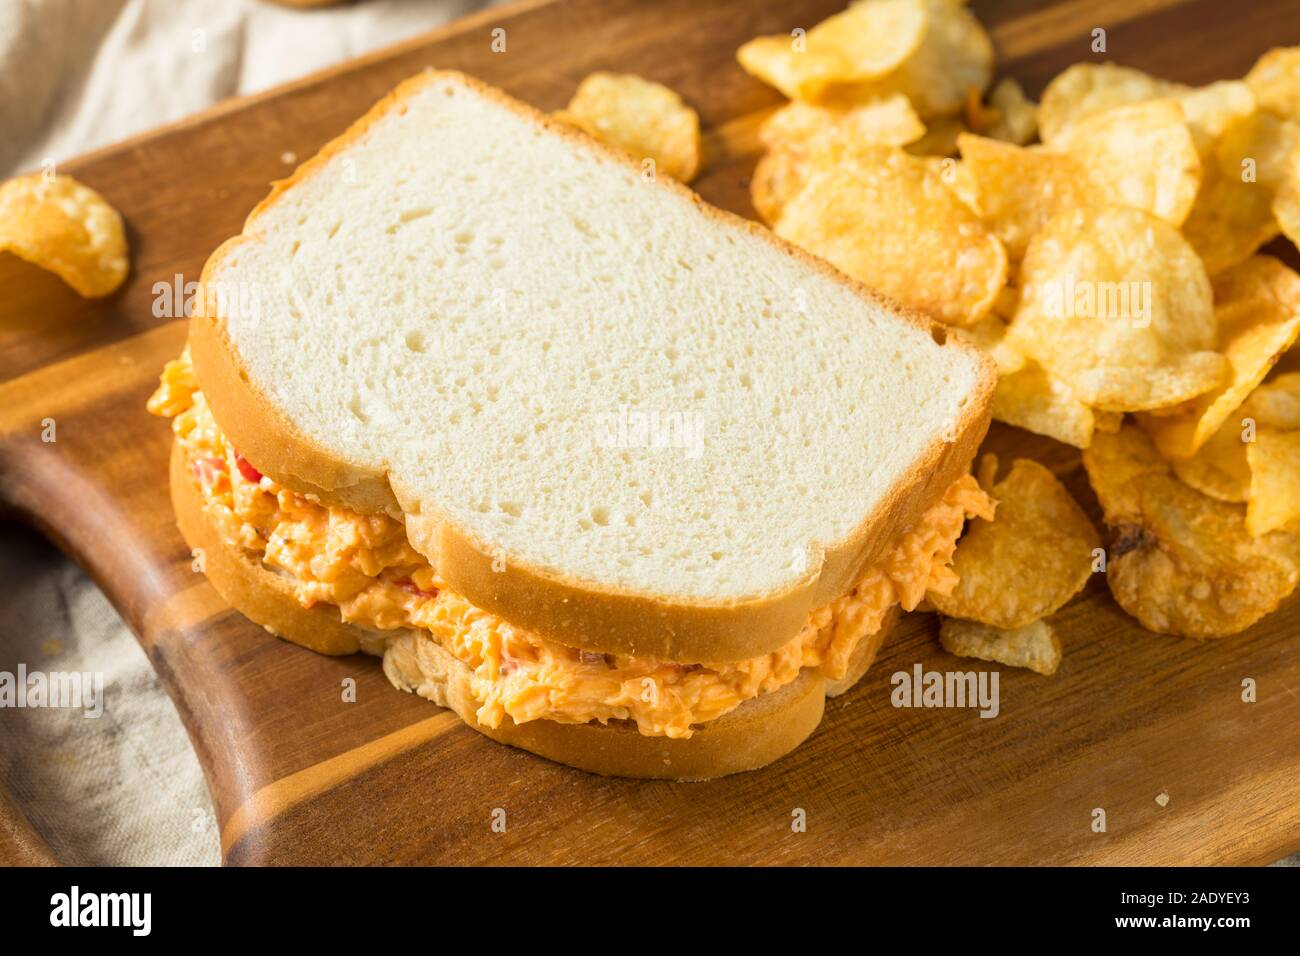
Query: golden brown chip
1181, 562
1034, 646
1116, 304
1274, 502
1286, 209
954, 55
890, 121
64, 227
1220, 468
1211, 109
643, 118
1139, 155
1107, 421
1257, 305
1035, 401
885, 218
1017, 114
1087, 88
1230, 219
866, 41
1259, 148
1275, 81
1276, 403
1027, 562
1016, 190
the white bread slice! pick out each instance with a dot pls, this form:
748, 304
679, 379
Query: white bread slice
754, 734
454, 303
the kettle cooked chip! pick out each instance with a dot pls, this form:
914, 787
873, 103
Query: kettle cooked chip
886, 218
1181, 562
1139, 155
1219, 468
1083, 89
866, 41
1257, 305
643, 118
1274, 501
1027, 562
1031, 399
1275, 81
1034, 646
1115, 303
64, 227
890, 120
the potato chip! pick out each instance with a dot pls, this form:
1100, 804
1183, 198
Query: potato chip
1027, 562
778, 175
866, 41
1275, 81
1034, 646
1219, 468
1087, 88
1181, 562
640, 117
989, 336
1116, 304
1139, 155
1259, 148
1276, 403
1035, 401
1017, 114
885, 218
64, 227
1257, 305
1274, 502
1230, 219
1016, 190
1211, 109
890, 121
954, 55
1008, 300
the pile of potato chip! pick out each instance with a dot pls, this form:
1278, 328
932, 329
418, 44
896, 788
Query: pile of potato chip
1102, 248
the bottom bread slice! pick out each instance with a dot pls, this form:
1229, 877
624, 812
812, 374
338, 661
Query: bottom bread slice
751, 736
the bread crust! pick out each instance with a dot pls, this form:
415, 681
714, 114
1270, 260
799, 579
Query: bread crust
751, 736
575, 612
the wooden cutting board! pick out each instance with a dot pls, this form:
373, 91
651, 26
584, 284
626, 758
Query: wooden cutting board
300, 776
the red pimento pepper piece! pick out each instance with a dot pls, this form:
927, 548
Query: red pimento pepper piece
410, 587
248, 471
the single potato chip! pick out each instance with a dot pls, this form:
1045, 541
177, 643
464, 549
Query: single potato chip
1017, 120
1181, 562
1032, 399
1211, 109
1219, 468
890, 121
640, 117
1016, 190
1087, 88
866, 41
1275, 81
954, 55
778, 175
1139, 155
1108, 421
1230, 219
1276, 403
1274, 502
64, 227
1027, 562
1257, 306
1034, 646
885, 218
1259, 148
1116, 304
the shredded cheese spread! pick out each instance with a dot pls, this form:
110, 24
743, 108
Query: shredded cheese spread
364, 566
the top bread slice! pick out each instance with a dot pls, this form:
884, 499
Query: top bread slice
465, 314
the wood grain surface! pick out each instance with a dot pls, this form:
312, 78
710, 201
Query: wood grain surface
297, 775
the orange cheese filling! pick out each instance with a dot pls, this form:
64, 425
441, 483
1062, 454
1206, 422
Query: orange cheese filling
364, 566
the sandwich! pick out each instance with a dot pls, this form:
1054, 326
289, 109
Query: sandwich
622, 479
